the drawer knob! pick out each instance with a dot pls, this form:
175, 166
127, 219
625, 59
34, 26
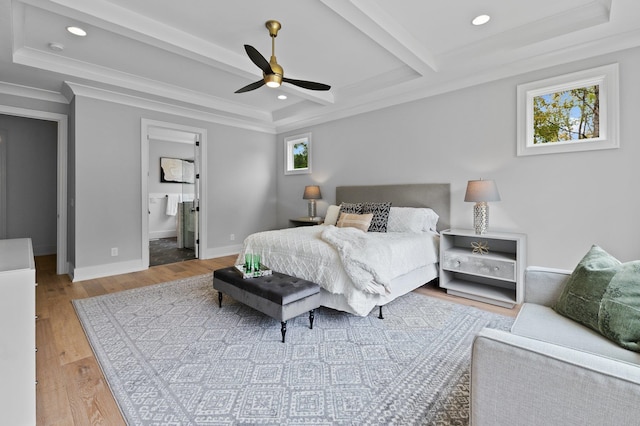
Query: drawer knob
457, 263
496, 268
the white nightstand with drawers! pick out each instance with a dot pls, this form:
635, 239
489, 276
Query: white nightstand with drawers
493, 276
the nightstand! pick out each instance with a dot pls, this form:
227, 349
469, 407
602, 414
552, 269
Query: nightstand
493, 276
307, 221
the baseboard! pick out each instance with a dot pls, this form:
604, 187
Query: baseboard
99, 271
222, 251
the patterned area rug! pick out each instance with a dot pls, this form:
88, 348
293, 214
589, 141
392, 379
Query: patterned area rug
172, 357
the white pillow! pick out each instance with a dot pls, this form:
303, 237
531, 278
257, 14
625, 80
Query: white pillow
431, 221
331, 217
411, 219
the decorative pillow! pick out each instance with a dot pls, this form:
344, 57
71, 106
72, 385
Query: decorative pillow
331, 217
620, 307
604, 295
380, 213
352, 220
406, 219
351, 208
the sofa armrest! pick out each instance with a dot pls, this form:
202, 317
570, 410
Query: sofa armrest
517, 380
543, 285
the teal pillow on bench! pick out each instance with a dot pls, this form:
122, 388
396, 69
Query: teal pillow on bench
604, 294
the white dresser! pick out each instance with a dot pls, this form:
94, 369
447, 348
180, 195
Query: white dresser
17, 332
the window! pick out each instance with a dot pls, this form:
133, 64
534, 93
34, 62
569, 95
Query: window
573, 112
297, 154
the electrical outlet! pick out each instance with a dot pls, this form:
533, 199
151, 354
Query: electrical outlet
114, 251
232, 237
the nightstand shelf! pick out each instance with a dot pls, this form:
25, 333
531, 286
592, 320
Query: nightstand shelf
495, 277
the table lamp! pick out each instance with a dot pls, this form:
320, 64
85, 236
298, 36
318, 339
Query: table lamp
480, 192
312, 193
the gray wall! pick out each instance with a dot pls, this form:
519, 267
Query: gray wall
31, 181
563, 202
241, 186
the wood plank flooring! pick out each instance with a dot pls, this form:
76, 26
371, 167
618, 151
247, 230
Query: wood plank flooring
71, 388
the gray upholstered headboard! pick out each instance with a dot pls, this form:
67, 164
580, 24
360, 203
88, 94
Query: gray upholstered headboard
436, 196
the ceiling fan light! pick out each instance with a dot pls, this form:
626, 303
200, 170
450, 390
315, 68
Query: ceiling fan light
273, 80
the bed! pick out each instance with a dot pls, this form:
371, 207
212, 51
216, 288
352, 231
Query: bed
357, 270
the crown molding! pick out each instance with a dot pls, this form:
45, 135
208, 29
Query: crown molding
32, 93
83, 70
72, 89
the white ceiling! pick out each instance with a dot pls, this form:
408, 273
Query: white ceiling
374, 53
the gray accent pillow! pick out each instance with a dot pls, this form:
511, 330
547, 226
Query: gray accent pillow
604, 294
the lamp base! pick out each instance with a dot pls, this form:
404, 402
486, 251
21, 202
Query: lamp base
481, 217
312, 208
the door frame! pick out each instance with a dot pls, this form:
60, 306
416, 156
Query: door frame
144, 148
62, 264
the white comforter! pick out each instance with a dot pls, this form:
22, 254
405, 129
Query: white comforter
344, 261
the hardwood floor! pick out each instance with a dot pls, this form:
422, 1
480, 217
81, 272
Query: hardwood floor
71, 389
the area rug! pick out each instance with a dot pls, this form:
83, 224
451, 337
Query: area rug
173, 357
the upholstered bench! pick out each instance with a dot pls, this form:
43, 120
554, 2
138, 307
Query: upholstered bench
278, 295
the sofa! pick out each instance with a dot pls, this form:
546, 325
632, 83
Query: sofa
550, 370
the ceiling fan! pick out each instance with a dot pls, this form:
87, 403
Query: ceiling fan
273, 74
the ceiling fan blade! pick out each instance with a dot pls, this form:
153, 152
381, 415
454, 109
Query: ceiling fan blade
311, 85
252, 86
258, 59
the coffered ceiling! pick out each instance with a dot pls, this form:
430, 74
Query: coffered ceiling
373, 53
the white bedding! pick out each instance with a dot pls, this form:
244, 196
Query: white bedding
319, 254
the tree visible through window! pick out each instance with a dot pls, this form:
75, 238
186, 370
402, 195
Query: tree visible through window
300, 156
297, 154
568, 115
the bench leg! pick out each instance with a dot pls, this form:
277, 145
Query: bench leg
220, 299
283, 329
311, 316
380, 314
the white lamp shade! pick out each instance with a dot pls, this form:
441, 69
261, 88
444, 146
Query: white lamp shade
482, 191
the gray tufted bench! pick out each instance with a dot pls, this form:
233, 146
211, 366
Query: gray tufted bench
278, 295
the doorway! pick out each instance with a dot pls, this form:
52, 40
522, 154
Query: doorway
62, 265
173, 195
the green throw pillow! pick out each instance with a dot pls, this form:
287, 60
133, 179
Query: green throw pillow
620, 307
604, 294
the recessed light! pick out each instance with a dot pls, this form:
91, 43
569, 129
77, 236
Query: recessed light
77, 31
481, 19
282, 97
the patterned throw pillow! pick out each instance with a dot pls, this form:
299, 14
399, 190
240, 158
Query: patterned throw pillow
352, 220
380, 213
351, 208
